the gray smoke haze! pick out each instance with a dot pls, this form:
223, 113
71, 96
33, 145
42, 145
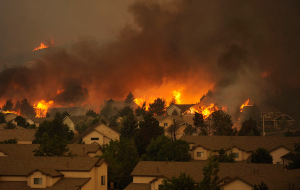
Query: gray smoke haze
224, 45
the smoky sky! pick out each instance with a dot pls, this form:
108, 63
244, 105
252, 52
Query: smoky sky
225, 45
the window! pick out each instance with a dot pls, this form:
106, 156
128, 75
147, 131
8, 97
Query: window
200, 154
103, 180
166, 124
235, 154
95, 138
38, 181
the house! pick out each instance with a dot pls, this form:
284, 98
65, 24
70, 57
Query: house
148, 175
73, 111
10, 116
23, 136
241, 146
71, 121
99, 133
26, 150
38, 121
273, 120
167, 121
53, 173
178, 109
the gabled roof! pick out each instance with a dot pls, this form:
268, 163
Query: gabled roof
138, 186
283, 116
75, 119
19, 134
272, 174
13, 166
246, 143
182, 107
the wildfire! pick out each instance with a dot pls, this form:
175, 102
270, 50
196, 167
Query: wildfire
60, 91
244, 104
206, 111
43, 46
15, 112
42, 108
176, 95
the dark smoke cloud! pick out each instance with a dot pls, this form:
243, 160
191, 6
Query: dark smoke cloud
227, 44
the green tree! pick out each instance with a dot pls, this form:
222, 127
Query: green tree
224, 157
127, 110
261, 186
52, 128
8, 105
222, 124
148, 129
10, 125
249, 128
210, 175
199, 123
261, 155
91, 113
190, 130
141, 111
157, 108
122, 157
296, 160
129, 99
21, 122
2, 118
9, 141
26, 109
172, 130
183, 182
128, 126
155, 145
52, 146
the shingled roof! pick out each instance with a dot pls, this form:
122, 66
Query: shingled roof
273, 175
182, 107
246, 143
19, 134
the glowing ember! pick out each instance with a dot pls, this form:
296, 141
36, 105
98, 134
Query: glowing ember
42, 108
244, 104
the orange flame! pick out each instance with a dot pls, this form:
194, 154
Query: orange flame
42, 108
60, 91
244, 104
176, 95
206, 111
43, 46
15, 112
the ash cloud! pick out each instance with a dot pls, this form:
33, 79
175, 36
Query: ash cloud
224, 43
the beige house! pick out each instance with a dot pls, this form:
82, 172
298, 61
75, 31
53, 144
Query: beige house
148, 175
26, 150
23, 136
178, 108
99, 133
53, 173
71, 121
167, 121
241, 146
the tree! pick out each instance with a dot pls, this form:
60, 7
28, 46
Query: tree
26, 109
199, 123
129, 99
10, 125
9, 141
8, 105
296, 159
224, 157
122, 157
210, 173
261, 155
52, 146
175, 112
148, 129
64, 114
183, 182
158, 107
21, 122
172, 130
222, 124
108, 110
91, 113
52, 128
128, 126
141, 111
127, 110
261, 186
163, 148
190, 130
249, 128
2, 118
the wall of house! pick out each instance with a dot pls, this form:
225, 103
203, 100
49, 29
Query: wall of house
93, 134
201, 149
30, 180
155, 185
70, 124
236, 150
102, 171
106, 140
10, 117
13, 178
2, 154
137, 179
167, 120
246, 155
237, 184
277, 154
